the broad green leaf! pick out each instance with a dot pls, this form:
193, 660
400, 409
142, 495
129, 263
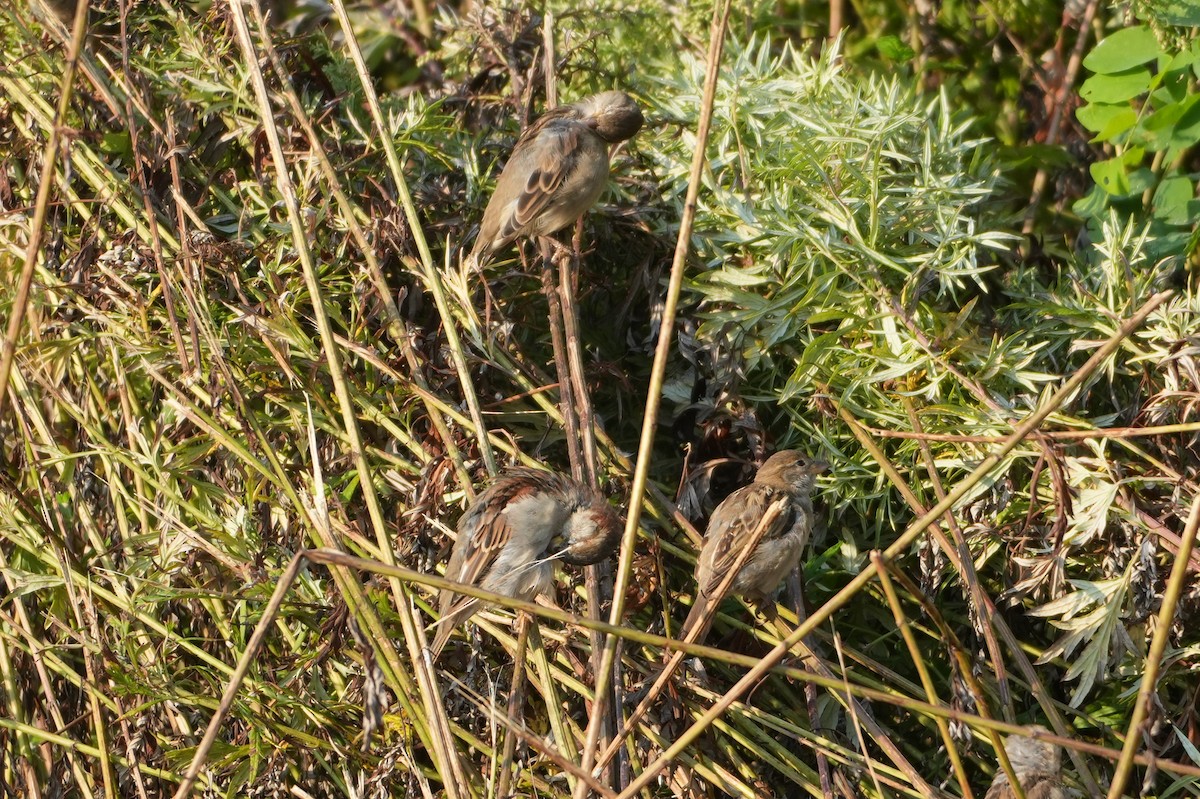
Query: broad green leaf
1097, 116
1110, 176
1165, 117
1181, 61
1141, 180
1117, 125
1038, 155
1187, 128
117, 144
1172, 87
1172, 198
1122, 50
1092, 204
1116, 87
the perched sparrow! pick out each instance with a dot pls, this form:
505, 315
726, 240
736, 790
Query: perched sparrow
557, 170
1037, 765
511, 535
788, 475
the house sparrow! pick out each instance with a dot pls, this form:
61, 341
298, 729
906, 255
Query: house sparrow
788, 475
1036, 764
557, 170
513, 532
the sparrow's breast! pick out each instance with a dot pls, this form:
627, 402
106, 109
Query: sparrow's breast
774, 558
581, 187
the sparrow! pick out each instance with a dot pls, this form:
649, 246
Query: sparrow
1037, 765
513, 532
789, 476
557, 171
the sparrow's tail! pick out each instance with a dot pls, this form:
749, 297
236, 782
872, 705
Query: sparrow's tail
450, 619
699, 620
480, 254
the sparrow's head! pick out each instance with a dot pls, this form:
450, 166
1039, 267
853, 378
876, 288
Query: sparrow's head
792, 470
613, 115
590, 534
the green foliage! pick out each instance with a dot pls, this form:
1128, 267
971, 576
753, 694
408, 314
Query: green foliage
822, 187
1143, 102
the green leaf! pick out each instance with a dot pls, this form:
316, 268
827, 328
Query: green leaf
1182, 61
1187, 128
1037, 155
1123, 50
1110, 176
1117, 125
1096, 116
117, 143
1172, 198
1166, 126
1141, 180
1116, 87
22, 583
893, 49
1120, 176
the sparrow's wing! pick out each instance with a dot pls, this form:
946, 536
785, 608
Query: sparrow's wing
1045, 786
486, 530
730, 527
1036, 785
550, 157
733, 523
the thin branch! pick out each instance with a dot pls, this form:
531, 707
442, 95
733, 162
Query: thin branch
20, 304
666, 334
1158, 645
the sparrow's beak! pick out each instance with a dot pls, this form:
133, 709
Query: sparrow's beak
819, 467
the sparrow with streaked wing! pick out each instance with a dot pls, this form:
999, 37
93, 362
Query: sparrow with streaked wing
787, 476
557, 170
510, 537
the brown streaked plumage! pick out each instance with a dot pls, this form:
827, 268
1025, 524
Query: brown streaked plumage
513, 532
788, 475
1038, 766
557, 170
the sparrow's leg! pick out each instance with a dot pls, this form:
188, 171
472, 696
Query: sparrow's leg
767, 608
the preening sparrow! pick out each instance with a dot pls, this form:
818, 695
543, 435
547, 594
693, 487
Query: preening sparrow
557, 170
513, 532
788, 475
1037, 765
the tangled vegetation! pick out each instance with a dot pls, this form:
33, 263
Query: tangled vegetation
950, 250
